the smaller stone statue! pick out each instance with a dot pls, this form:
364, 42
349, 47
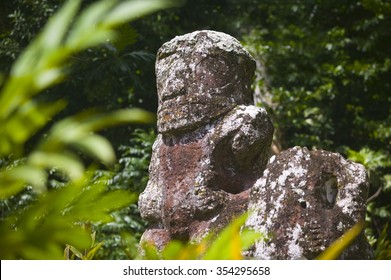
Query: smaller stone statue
305, 201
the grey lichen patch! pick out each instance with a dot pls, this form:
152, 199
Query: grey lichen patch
295, 251
306, 200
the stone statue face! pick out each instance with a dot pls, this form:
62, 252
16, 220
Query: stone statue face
197, 83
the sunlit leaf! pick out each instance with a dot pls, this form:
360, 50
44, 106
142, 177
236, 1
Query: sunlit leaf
98, 147
131, 10
81, 35
92, 252
124, 116
229, 243
338, 246
56, 29
383, 246
29, 118
48, 78
67, 162
74, 251
15, 179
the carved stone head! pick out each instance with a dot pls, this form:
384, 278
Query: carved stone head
200, 76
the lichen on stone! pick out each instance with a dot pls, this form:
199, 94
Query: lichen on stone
306, 200
212, 143
210, 161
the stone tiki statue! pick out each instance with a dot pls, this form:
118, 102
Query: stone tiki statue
212, 144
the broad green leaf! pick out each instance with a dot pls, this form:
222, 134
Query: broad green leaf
98, 147
6, 145
51, 220
177, 250
311, 111
150, 252
249, 237
50, 38
229, 244
48, 77
15, 179
116, 199
56, 29
173, 250
73, 234
82, 33
67, 162
8, 189
130, 10
82, 125
92, 39
124, 116
51, 251
29, 118
14, 94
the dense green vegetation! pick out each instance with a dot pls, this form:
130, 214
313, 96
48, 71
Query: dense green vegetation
323, 75
52, 192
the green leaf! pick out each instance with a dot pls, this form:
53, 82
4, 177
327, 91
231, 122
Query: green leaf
230, 242
98, 147
15, 179
52, 219
82, 125
90, 255
383, 246
81, 36
116, 199
311, 111
54, 32
177, 250
56, 29
74, 251
338, 246
29, 118
125, 116
130, 10
48, 77
67, 162
127, 35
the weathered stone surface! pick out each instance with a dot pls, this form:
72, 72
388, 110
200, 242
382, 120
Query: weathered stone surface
212, 144
201, 76
211, 151
306, 200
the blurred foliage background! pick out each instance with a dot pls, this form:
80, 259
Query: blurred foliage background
323, 74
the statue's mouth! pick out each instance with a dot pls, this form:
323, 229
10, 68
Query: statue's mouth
173, 95
184, 105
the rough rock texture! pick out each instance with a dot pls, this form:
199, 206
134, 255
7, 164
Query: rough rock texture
201, 76
211, 151
212, 144
306, 200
